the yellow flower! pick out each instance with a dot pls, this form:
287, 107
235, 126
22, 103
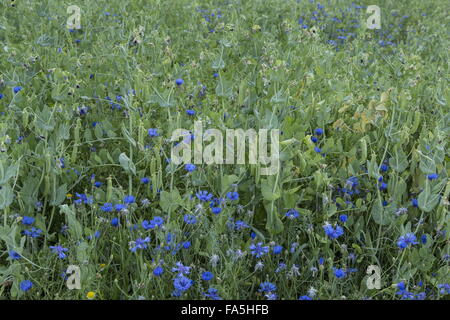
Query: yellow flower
69, 196
90, 295
102, 265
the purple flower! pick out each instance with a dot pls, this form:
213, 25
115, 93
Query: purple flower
190, 167
14, 255
182, 283
17, 89
115, 222
292, 214
318, 131
27, 221
158, 271
153, 132
406, 240
181, 269
233, 196
129, 199
179, 82
107, 207
207, 276
204, 195
26, 285
339, 273
432, 176
59, 250
258, 250
267, 287
333, 233
140, 244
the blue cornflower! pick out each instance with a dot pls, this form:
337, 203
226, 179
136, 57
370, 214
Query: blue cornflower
212, 294
190, 112
153, 132
17, 89
271, 296
107, 207
384, 167
317, 149
258, 250
140, 244
59, 250
182, 283
339, 273
215, 74
241, 225
186, 244
190, 219
406, 240
383, 186
181, 269
292, 214
267, 287
97, 184
204, 195
352, 182
145, 180
129, 199
158, 271
190, 167
33, 232
314, 139
445, 288
1, 96
333, 233
432, 176
179, 82
415, 203
26, 285
233, 195
14, 255
343, 218
27, 221
277, 249
318, 131
82, 198
423, 239
115, 222
120, 207
305, 298
216, 210
281, 266
207, 276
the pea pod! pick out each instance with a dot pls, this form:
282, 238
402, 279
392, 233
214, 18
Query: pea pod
76, 135
416, 122
363, 145
25, 117
109, 189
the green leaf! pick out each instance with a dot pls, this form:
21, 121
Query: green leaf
75, 228
224, 88
398, 162
60, 195
427, 165
170, 200
379, 214
126, 163
268, 191
427, 200
218, 63
6, 196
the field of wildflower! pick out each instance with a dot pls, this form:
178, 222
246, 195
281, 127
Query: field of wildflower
93, 207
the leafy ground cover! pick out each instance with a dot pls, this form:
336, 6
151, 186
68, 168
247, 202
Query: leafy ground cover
86, 178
